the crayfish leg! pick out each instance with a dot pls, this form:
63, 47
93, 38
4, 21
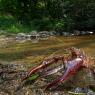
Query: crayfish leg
61, 79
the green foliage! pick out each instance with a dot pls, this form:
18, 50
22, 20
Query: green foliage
59, 26
55, 8
33, 77
81, 12
10, 24
74, 93
59, 15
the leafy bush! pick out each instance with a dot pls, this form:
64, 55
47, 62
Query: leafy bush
59, 26
10, 24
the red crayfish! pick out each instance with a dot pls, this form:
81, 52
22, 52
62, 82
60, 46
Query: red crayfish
72, 63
